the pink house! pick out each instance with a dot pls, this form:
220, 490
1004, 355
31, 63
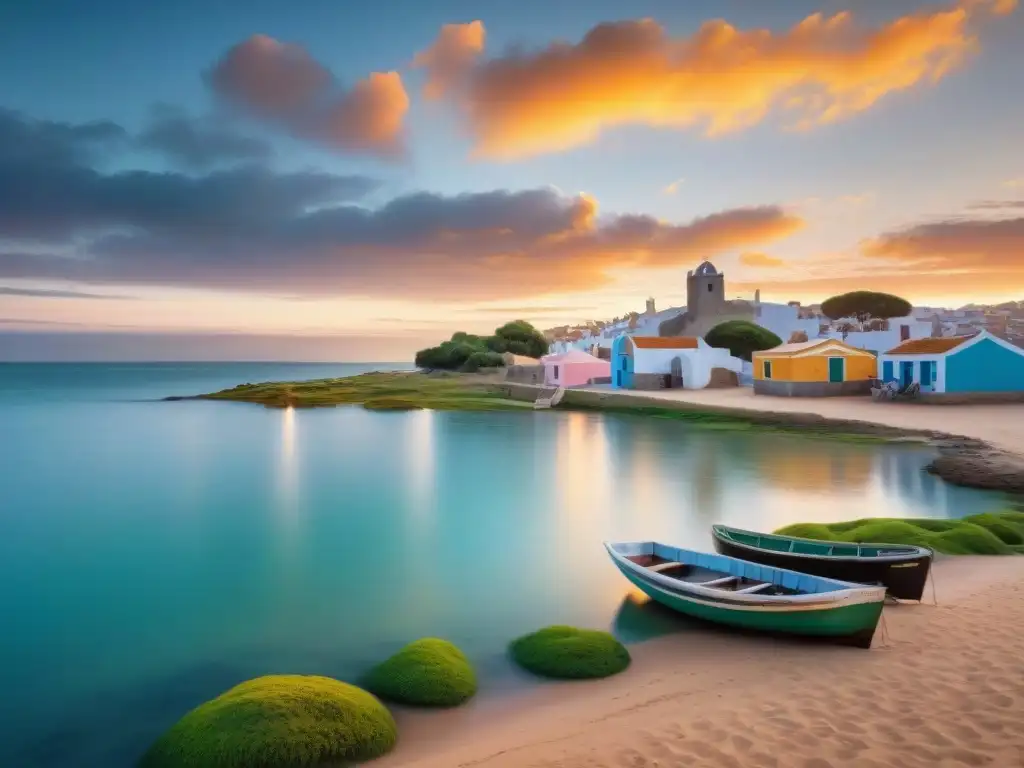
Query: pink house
574, 368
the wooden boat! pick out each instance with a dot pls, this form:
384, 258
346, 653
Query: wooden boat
737, 593
902, 569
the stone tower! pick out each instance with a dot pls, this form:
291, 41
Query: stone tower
650, 307
705, 291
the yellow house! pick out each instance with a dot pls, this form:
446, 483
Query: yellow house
815, 368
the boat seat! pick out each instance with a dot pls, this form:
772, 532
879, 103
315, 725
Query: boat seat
717, 582
754, 588
664, 566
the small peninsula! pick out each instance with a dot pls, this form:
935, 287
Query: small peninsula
384, 391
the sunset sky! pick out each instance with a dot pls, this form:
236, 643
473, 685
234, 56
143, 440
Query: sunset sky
354, 180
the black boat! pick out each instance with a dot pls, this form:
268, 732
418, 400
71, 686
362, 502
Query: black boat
903, 569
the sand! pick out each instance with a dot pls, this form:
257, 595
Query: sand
946, 688
997, 424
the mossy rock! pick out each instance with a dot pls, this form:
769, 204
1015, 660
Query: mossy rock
888, 532
999, 533
808, 531
969, 539
278, 720
426, 673
568, 653
1005, 526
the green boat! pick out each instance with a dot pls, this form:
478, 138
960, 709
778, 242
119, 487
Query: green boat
901, 568
748, 595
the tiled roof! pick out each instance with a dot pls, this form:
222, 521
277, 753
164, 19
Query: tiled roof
936, 346
665, 342
796, 346
828, 346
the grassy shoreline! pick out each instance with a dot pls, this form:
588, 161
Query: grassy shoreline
444, 391
962, 460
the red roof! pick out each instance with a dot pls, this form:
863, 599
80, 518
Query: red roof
665, 342
934, 346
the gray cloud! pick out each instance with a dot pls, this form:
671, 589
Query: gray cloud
293, 234
996, 205
281, 84
198, 143
55, 196
43, 293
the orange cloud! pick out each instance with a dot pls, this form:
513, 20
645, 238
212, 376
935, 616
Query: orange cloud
758, 259
282, 84
957, 257
722, 79
451, 55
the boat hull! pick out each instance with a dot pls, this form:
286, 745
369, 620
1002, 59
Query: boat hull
903, 578
847, 623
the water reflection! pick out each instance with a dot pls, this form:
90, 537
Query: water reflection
420, 460
288, 474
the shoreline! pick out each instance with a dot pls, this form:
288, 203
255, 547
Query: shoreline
987, 454
978, 445
926, 691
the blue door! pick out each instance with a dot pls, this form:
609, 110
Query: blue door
906, 373
927, 375
887, 374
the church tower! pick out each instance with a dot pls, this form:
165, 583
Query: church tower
705, 291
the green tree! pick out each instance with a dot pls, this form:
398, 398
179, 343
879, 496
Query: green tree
741, 338
865, 305
519, 338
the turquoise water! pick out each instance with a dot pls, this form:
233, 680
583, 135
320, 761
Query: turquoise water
153, 554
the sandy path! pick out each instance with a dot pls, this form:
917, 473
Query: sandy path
946, 689
1001, 425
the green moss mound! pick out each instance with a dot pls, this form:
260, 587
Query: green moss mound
426, 673
278, 720
1009, 526
568, 653
998, 533
809, 531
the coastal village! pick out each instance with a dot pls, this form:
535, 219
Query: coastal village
973, 353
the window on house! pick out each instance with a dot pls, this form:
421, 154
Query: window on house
556, 373
904, 333
710, 287
767, 369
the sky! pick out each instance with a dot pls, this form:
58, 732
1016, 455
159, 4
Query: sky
355, 180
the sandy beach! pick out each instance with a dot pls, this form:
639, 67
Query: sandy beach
996, 424
941, 686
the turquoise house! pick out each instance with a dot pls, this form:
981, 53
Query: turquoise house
622, 364
961, 365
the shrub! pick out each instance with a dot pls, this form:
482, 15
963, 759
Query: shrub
741, 338
988, 534
428, 672
479, 360
466, 351
569, 653
278, 720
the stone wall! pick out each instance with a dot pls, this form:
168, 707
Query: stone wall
723, 377
525, 374
650, 381
811, 388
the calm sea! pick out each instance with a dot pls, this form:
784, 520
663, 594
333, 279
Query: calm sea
153, 554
